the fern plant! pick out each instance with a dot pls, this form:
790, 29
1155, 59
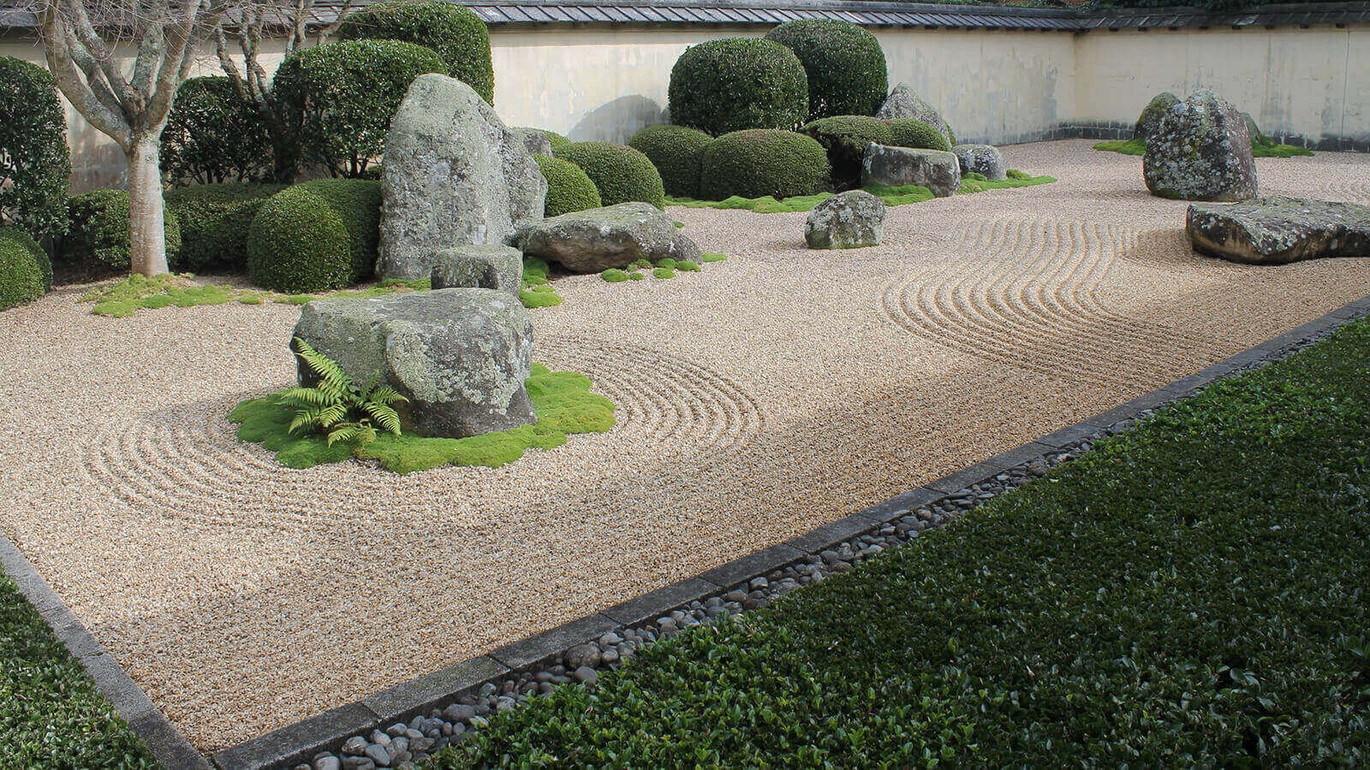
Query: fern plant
337, 407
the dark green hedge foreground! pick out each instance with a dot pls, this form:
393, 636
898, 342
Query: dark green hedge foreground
1194, 592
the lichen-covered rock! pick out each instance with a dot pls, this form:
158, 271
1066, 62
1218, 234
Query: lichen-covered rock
981, 159
452, 175
534, 141
1277, 230
1252, 130
459, 355
904, 103
595, 240
900, 166
489, 266
848, 220
1201, 152
1152, 113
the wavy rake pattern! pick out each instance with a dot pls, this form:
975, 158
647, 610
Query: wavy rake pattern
1356, 190
1027, 295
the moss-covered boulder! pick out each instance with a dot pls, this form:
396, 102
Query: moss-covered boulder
1201, 151
1152, 113
1277, 230
598, 239
904, 104
982, 159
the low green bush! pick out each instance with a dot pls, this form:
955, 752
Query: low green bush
676, 151
100, 230
316, 236
620, 173
844, 64
214, 135
568, 187
763, 162
907, 132
845, 137
35, 164
455, 32
25, 272
215, 220
738, 83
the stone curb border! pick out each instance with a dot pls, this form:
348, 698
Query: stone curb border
298, 742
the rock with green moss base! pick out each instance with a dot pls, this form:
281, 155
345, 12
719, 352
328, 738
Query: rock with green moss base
479, 267
1278, 230
595, 240
1152, 114
849, 220
1201, 152
453, 174
982, 159
903, 103
936, 170
459, 355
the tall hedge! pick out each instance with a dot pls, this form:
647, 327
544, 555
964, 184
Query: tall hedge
215, 220
844, 64
845, 137
568, 187
316, 236
620, 173
455, 32
35, 165
214, 135
737, 83
25, 273
676, 151
100, 230
341, 97
761, 162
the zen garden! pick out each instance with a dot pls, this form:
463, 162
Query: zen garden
348, 425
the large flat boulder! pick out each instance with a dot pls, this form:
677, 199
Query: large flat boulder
1277, 230
903, 103
1201, 151
490, 266
459, 355
595, 240
901, 166
849, 220
981, 159
452, 175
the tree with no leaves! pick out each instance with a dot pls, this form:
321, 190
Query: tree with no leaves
131, 105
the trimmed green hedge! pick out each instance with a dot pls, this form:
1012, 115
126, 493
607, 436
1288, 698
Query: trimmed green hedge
316, 236
35, 164
845, 137
215, 220
100, 230
455, 32
568, 187
25, 272
762, 162
620, 173
738, 83
907, 132
213, 135
844, 64
676, 151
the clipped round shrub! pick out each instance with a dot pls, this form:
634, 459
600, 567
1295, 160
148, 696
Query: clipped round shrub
907, 132
761, 162
844, 64
455, 32
845, 137
35, 164
99, 230
316, 236
215, 220
25, 273
676, 153
737, 83
341, 97
620, 173
214, 135
568, 187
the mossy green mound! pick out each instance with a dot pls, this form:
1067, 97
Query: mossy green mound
892, 196
1264, 147
662, 268
537, 284
138, 292
562, 400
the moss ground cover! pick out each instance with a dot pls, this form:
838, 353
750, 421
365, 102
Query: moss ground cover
892, 196
662, 268
138, 292
562, 400
1263, 148
537, 284
1193, 592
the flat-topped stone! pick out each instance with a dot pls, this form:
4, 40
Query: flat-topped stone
981, 159
1277, 230
490, 266
936, 170
593, 240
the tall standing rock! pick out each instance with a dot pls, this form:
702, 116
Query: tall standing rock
904, 103
453, 175
1153, 113
1201, 152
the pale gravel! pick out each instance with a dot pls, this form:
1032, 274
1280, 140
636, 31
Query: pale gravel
769, 394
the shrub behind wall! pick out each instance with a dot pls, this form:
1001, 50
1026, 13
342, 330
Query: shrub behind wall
35, 164
455, 32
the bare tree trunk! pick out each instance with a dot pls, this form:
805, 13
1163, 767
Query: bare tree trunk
147, 220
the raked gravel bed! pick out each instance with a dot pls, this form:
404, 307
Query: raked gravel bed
769, 394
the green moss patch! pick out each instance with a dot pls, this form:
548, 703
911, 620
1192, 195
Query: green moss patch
892, 196
1265, 147
662, 268
138, 292
562, 400
537, 284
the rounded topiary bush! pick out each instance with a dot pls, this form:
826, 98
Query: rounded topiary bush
35, 164
455, 32
99, 230
316, 236
25, 273
215, 220
761, 162
845, 137
568, 187
214, 135
676, 152
341, 97
620, 173
907, 132
737, 83
844, 64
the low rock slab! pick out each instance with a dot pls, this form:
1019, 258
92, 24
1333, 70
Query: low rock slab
849, 220
595, 240
459, 355
1201, 151
1278, 230
479, 267
903, 103
981, 159
936, 170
